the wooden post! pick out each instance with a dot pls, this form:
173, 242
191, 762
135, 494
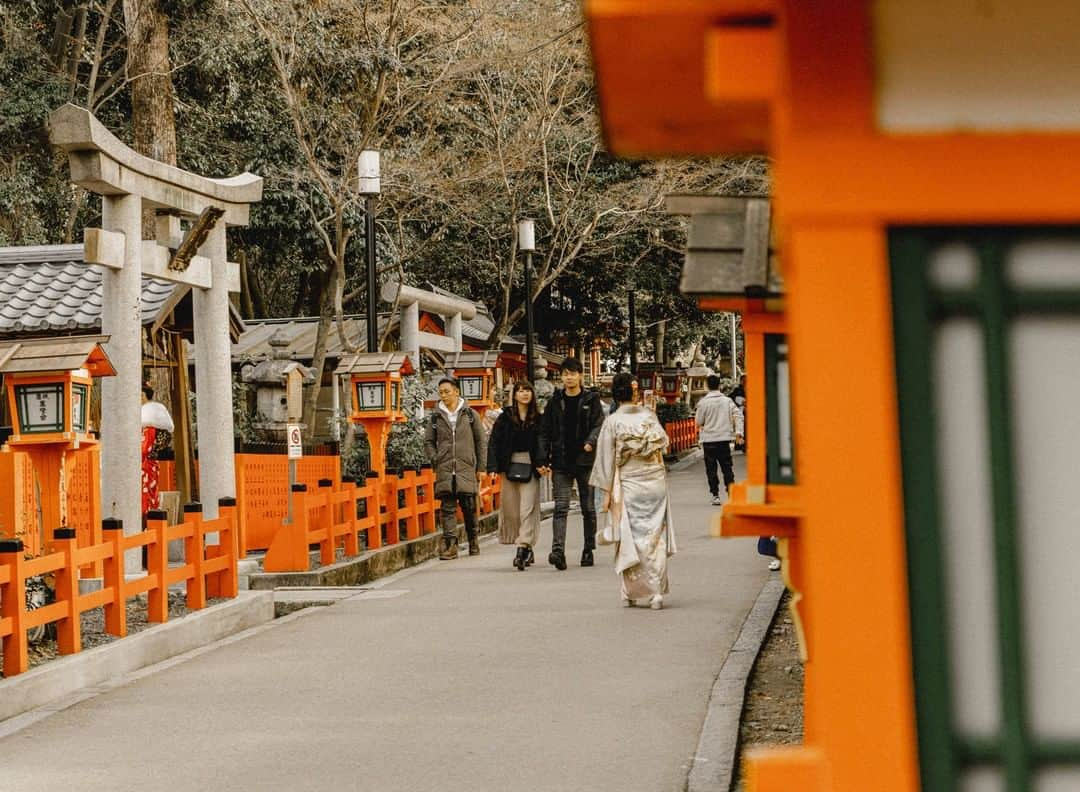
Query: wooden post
390, 500
116, 608
157, 565
412, 521
13, 608
194, 556
186, 482
327, 548
374, 510
94, 460
225, 583
348, 516
68, 629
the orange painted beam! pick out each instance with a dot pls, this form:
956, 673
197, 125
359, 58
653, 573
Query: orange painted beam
651, 63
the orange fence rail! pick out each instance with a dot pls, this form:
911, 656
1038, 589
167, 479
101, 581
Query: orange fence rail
683, 434
209, 571
387, 510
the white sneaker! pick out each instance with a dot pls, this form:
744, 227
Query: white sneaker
717, 500
774, 565
657, 602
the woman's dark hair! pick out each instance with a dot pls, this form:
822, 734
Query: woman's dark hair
531, 412
622, 387
148, 392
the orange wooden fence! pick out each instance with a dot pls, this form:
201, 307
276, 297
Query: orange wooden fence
683, 434
386, 510
209, 571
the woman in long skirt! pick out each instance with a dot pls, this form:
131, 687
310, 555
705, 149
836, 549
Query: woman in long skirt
514, 451
630, 472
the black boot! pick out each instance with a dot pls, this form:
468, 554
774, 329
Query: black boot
557, 558
529, 557
586, 557
520, 558
474, 544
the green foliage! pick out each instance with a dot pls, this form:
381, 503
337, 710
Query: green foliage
405, 448
33, 189
356, 457
666, 413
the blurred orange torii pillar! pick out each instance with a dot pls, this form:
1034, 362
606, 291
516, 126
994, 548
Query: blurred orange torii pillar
927, 198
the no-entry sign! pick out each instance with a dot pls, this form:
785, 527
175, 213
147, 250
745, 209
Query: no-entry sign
296, 446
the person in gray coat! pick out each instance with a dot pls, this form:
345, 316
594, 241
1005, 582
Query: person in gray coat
455, 443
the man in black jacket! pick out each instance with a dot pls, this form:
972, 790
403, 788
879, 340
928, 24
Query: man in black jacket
570, 426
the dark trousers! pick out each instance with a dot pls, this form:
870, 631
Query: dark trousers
448, 508
562, 481
718, 453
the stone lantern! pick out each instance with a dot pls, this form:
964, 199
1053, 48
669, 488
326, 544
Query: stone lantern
698, 387
279, 383
542, 386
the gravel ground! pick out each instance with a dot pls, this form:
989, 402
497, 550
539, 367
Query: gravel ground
773, 710
93, 627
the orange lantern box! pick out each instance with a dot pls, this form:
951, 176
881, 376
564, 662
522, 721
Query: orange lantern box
375, 383
48, 384
475, 373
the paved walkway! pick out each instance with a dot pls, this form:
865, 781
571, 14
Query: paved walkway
464, 675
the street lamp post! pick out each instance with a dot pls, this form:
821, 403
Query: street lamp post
369, 188
527, 244
632, 312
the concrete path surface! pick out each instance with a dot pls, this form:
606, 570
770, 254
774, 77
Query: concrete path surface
464, 675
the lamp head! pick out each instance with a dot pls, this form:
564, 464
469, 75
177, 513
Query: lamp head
368, 168
526, 235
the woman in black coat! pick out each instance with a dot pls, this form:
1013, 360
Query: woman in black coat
515, 451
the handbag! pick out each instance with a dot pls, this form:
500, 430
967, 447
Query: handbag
520, 472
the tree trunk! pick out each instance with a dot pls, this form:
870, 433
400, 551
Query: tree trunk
322, 340
149, 69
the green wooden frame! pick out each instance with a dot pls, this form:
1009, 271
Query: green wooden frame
779, 469
919, 309
22, 396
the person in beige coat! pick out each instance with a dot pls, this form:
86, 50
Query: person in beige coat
455, 443
516, 452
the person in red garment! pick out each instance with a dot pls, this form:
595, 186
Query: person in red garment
157, 427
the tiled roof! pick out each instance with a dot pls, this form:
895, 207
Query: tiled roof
50, 289
300, 332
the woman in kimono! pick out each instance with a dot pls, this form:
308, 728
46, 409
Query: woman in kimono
157, 427
629, 471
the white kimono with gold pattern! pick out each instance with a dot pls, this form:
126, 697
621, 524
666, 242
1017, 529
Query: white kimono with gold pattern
630, 468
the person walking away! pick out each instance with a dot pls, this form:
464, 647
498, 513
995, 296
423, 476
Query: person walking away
629, 471
515, 451
455, 444
738, 395
157, 429
721, 422
570, 426
636, 397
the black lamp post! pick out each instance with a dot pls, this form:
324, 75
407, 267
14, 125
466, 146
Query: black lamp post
632, 314
369, 188
527, 244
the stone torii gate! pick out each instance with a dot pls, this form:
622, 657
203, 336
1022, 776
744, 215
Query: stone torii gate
192, 215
